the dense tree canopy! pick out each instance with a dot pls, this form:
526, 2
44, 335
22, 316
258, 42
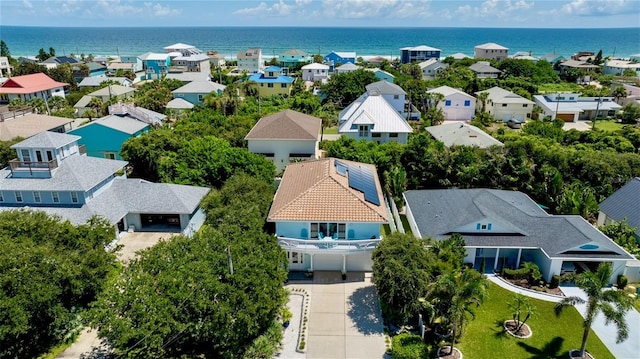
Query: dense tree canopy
49, 272
344, 88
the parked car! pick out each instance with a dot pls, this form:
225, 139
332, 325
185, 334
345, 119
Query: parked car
514, 124
568, 268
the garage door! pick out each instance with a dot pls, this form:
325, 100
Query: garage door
360, 262
327, 262
566, 117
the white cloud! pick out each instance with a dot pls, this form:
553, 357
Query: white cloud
495, 9
600, 7
363, 9
27, 4
278, 8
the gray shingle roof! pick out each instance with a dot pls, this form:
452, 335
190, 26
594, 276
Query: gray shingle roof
179, 103
122, 124
200, 87
625, 203
517, 222
385, 88
112, 90
47, 139
287, 124
75, 173
461, 134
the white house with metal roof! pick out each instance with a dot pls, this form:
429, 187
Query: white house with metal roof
315, 72
377, 115
505, 105
195, 91
328, 215
431, 68
348, 67
52, 174
456, 105
462, 134
506, 228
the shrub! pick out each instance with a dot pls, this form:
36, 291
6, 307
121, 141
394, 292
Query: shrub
622, 281
408, 346
555, 282
522, 273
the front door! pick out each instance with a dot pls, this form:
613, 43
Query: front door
296, 261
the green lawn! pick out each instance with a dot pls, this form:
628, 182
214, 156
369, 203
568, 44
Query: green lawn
405, 224
553, 336
559, 87
331, 131
608, 125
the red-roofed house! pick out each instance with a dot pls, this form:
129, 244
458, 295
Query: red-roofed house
30, 86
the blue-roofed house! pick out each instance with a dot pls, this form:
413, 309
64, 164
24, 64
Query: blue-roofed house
271, 82
294, 58
507, 228
623, 204
195, 91
335, 59
104, 137
328, 215
52, 174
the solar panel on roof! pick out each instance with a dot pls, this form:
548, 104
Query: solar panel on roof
341, 168
361, 179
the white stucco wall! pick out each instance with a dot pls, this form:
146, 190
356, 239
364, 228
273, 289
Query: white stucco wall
457, 111
282, 149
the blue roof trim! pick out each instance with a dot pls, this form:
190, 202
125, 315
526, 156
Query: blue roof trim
259, 78
273, 69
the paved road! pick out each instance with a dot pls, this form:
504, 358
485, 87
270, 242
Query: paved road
630, 348
344, 319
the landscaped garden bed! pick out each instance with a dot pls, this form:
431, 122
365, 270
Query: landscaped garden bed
540, 287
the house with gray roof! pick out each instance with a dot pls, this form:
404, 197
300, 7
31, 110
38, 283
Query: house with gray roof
52, 173
505, 105
96, 81
195, 91
286, 136
623, 204
462, 134
506, 228
348, 67
483, 70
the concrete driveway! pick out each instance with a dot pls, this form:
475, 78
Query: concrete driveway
344, 319
579, 126
137, 241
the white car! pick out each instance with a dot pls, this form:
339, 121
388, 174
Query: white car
568, 268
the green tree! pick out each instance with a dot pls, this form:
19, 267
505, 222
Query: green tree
630, 113
459, 293
4, 49
629, 73
154, 95
613, 304
623, 235
50, 271
17, 104
342, 89
6, 152
210, 296
97, 105
618, 93
520, 305
57, 103
401, 279
38, 105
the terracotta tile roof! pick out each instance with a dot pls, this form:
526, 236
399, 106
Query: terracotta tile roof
286, 125
315, 191
29, 84
29, 125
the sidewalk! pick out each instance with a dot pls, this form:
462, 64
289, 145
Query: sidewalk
628, 349
529, 293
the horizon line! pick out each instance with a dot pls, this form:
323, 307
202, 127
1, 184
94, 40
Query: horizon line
324, 27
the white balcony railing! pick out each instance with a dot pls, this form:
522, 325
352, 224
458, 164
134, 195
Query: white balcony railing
339, 246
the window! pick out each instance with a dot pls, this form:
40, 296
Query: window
447, 102
467, 103
74, 197
55, 197
18, 196
393, 134
525, 105
504, 105
26, 156
180, 95
395, 97
110, 155
270, 85
363, 131
284, 86
200, 97
36, 197
328, 230
1, 197
376, 134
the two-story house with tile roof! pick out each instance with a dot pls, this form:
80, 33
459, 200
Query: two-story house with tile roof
250, 61
271, 82
27, 87
53, 175
328, 215
285, 136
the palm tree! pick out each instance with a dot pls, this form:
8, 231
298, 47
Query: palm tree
483, 97
456, 293
618, 93
521, 305
38, 105
96, 104
613, 304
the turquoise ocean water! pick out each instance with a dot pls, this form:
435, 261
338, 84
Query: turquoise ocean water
364, 41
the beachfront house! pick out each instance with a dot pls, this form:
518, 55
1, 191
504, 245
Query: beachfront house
570, 107
155, 65
294, 58
335, 59
271, 82
285, 137
328, 215
505, 105
195, 92
503, 229
104, 137
348, 67
418, 54
378, 115
617, 67
456, 105
483, 70
250, 61
462, 134
431, 68
315, 72
217, 60
26, 87
491, 51
52, 174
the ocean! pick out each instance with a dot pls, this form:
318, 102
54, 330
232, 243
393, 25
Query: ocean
366, 42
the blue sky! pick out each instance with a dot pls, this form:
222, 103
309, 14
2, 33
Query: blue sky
334, 13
